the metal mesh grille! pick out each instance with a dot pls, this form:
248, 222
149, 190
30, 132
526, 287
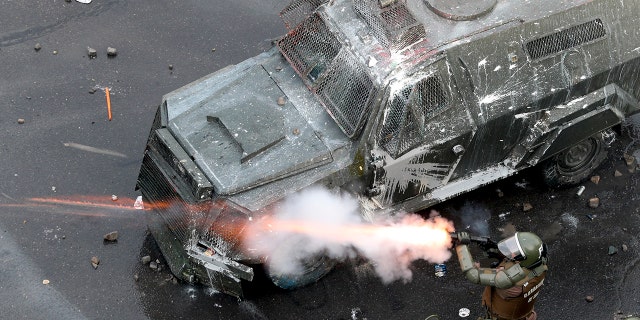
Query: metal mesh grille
224, 228
394, 26
345, 92
565, 39
310, 47
336, 76
408, 113
298, 10
160, 194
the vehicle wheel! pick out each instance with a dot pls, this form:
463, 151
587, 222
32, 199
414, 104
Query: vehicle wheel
314, 270
575, 164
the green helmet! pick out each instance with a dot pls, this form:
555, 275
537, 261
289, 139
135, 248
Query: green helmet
525, 247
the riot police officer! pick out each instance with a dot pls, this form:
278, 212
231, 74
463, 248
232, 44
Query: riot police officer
514, 284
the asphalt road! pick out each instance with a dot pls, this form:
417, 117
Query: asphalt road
61, 167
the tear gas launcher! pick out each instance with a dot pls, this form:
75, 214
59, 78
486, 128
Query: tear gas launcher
485, 243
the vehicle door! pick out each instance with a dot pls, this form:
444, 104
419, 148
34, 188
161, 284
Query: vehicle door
423, 130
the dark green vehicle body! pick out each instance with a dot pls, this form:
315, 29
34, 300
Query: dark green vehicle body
401, 103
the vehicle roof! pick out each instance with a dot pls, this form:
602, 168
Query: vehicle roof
439, 31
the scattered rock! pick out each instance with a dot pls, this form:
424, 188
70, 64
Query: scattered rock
92, 53
20, 121
114, 197
617, 174
153, 265
594, 202
278, 68
146, 259
112, 52
589, 298
500, 193
213, 49
631, 162
625, 248
526, 206
595, 179
55, 52
95, 262
282, 100
612, 250
170, 67
296, 131
45, 281
111, 236
93, 90
135, 277
37, 47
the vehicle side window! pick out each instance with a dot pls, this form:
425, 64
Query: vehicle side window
408, 111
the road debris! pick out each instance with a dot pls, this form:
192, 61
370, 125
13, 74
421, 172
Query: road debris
138, 204
594, 202
45, 281
500, 193
170, 67
595, 179
20, 121
631, 162
625, 248
153, 265
94, 150
282, 101
111, 236
464, 312
114, 197
84, 1
111, 52
146, 259
37, 47
589, 298
95, 261
612, 250
580, 190
591, 216
108, 96
135, 277
55, 52
92, 53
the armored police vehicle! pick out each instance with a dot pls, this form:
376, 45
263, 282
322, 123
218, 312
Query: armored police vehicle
401, 103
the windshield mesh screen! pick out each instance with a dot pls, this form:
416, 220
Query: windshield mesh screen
345, 92
298, 10
334, 74
310, 48
394, 26
565, 39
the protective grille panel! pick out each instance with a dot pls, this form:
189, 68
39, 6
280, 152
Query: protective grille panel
394, 26
224, 229
161, 196
565, 39
310, 47
408, 114
340, 81
298, 10
345, 92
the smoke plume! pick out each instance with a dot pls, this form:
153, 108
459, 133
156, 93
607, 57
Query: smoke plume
318, 222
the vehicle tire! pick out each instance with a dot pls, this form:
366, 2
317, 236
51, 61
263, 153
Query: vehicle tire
576, 163
313, 270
